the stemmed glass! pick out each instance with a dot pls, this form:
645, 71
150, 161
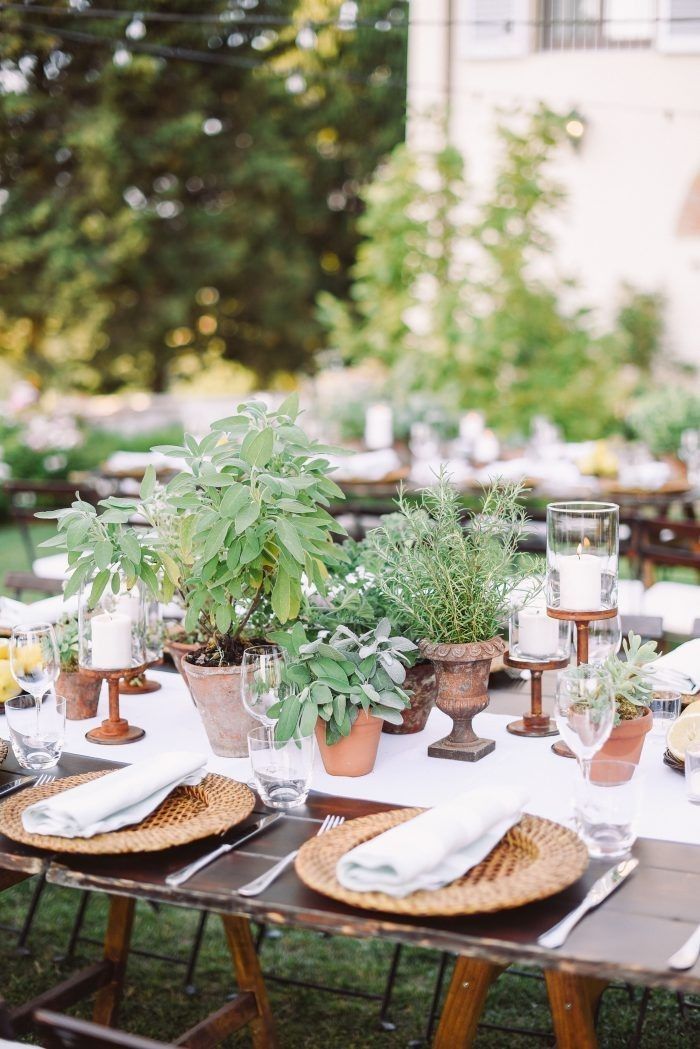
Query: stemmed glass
584, 710
34, 660
262, 676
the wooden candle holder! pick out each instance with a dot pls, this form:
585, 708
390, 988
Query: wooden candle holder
583, 622
114, 730
535, 723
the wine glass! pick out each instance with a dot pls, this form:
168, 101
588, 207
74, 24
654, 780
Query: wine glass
604, 639
262, 675
584, 710
34, 660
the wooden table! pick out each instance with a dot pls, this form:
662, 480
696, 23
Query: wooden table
629, 937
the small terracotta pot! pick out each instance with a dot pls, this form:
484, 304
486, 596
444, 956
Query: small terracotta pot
624, 743
217, 695
462, 673
353, 755
421, 682
82, 694
177, 651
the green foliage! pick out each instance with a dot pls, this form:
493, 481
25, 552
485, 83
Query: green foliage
641, 317
67, 640
631, 682
140, 241
659, 417
334, 677
450, 580
452, 295
238, 526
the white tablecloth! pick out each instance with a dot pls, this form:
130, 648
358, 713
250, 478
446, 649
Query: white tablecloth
404, 774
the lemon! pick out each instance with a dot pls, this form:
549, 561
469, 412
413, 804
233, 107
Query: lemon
692, 708
682, 734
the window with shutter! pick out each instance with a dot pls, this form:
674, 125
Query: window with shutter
679, 26
493, 28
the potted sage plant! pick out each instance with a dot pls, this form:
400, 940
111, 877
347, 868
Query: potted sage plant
342, 686
81, 692
233, 533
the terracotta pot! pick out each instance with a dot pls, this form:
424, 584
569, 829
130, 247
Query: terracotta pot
177, 651
217, 695
353, 755
462, 674
421, 682
624, 743
82, 694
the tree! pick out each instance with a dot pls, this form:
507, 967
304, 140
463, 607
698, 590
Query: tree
452, 295
160, 213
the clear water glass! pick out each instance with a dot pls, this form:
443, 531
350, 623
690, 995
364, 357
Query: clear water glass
607, 805
282, 770
262, 673
665, 708
604, 639
584, 708
34, 659
37, 729
692, 772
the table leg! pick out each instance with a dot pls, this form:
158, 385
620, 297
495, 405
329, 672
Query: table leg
572, 1001
116, 951
250, 979
464, 1004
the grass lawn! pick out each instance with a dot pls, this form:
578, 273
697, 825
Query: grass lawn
14, 557
157, 1005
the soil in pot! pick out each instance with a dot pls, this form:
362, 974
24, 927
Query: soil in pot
625, 742
421, 682
82, 694
217, 695
353, 755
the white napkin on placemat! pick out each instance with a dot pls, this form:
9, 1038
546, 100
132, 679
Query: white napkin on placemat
434, 848
679, 669
115, 800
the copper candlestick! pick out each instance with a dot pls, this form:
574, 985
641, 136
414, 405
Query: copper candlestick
114, 730
583, 622
535, 723
138, 684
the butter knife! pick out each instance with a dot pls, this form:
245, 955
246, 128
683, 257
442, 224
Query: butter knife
182, 875
599, 891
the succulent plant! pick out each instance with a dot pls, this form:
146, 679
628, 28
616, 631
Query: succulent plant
631, 682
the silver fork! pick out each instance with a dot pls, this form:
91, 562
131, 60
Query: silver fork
258, 885
25, 781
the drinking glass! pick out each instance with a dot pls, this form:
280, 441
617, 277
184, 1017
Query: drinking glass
692, 772
34, 659
262, 673
604, 639
607, 807
666, 708
281, 770
37, 729
584, 709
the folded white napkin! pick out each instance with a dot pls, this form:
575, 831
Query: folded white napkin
49, 610
434, 848
115, 800
679, 669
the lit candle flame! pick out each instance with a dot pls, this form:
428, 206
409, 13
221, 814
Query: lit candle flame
586, 542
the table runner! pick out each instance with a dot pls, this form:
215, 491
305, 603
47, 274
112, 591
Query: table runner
404, 774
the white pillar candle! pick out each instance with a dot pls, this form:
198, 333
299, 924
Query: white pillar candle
538, 634
130, 604
580, 582
111, 641
379, 426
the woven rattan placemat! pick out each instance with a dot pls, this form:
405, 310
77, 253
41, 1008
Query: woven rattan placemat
187, 814
534, 860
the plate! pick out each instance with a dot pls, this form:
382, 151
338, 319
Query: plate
187, 814
535, 859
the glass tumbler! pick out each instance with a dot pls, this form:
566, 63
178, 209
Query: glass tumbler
37, 729
281, 769
607, 808
692, 772
665, 708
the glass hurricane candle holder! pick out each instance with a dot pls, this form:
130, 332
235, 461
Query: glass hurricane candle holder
536, 637
582, 556
112, 631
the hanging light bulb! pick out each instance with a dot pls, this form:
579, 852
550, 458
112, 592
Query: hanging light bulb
306, 38
136, 29
575, 127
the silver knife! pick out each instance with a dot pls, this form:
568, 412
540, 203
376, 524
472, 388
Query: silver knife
599, 891
178, 877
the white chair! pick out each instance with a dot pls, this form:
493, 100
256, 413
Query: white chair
678, 604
